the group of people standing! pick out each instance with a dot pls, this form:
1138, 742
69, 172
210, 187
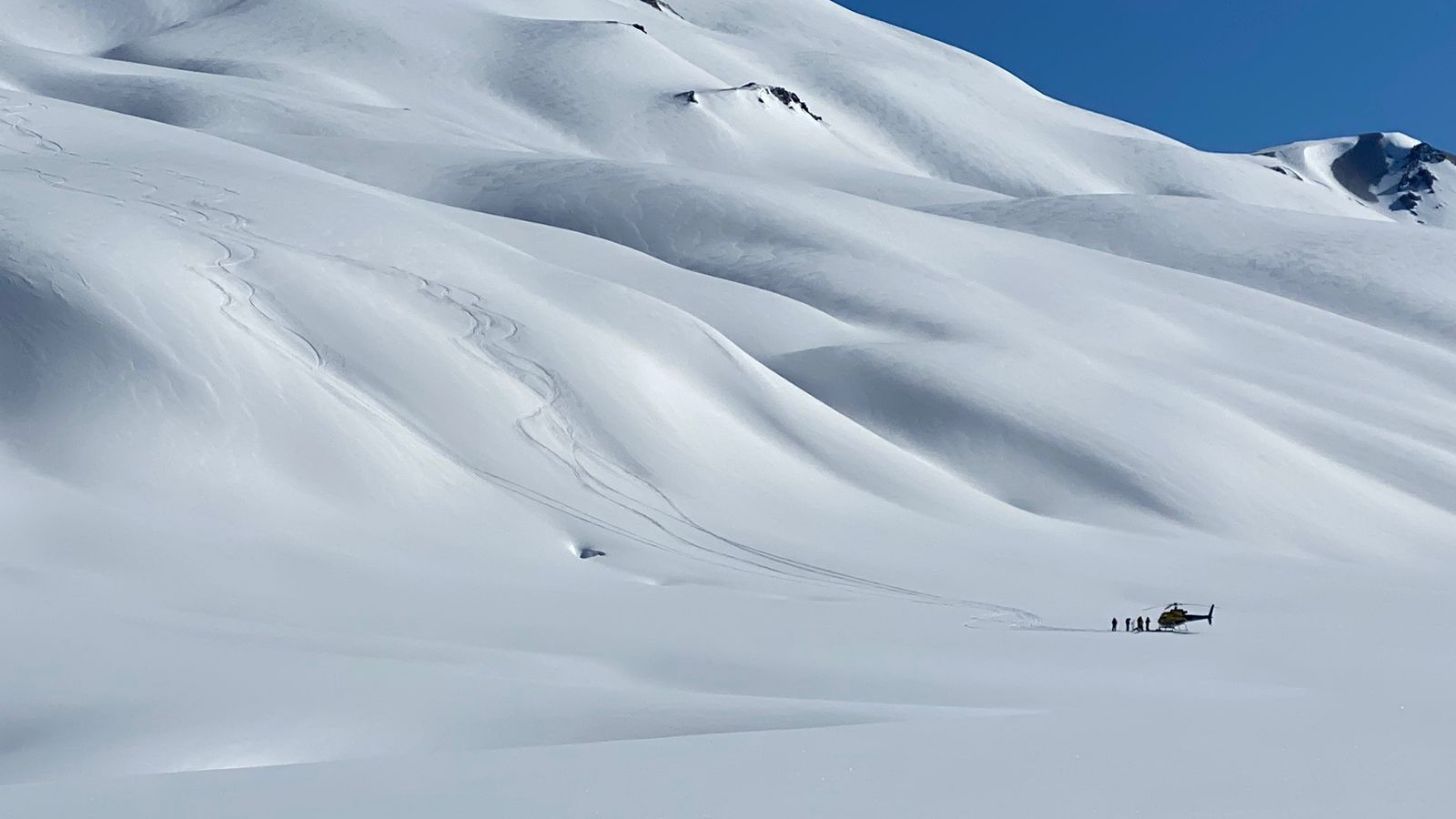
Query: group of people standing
1143, 624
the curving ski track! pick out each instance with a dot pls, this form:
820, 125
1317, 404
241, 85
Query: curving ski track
489, 340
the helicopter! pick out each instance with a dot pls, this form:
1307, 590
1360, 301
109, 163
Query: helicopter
1175, 616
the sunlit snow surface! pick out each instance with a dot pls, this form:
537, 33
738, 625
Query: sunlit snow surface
335, 333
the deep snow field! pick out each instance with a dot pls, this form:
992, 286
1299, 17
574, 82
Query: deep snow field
468, 408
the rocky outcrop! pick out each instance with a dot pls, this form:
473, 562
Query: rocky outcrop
787, 97
663, 6
1430, 155
637, 26
1415, 178
764, 93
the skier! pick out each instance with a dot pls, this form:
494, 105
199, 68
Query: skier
1114, 624
1127, 624
1140, 624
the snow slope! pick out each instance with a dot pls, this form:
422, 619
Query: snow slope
726, 408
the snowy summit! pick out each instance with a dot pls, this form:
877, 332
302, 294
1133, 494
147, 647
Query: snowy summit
720, 408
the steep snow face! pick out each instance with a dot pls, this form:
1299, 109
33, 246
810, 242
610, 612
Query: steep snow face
1392, 174
334, 334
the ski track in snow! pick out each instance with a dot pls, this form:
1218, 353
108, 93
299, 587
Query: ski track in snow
489, 338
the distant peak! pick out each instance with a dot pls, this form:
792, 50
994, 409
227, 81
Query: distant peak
1386, 170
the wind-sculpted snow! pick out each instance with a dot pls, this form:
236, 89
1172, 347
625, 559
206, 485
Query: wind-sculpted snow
336, 336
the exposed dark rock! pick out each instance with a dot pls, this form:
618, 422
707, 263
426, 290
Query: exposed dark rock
783, 95
1419, 178
788, 98
1416, 177
637, 26
587, 553
1406, 201
1430, 155
662, 6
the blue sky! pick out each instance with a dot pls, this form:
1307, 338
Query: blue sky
1231, 75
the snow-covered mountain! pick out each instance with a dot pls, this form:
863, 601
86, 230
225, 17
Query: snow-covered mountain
518, 408
1393, 174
